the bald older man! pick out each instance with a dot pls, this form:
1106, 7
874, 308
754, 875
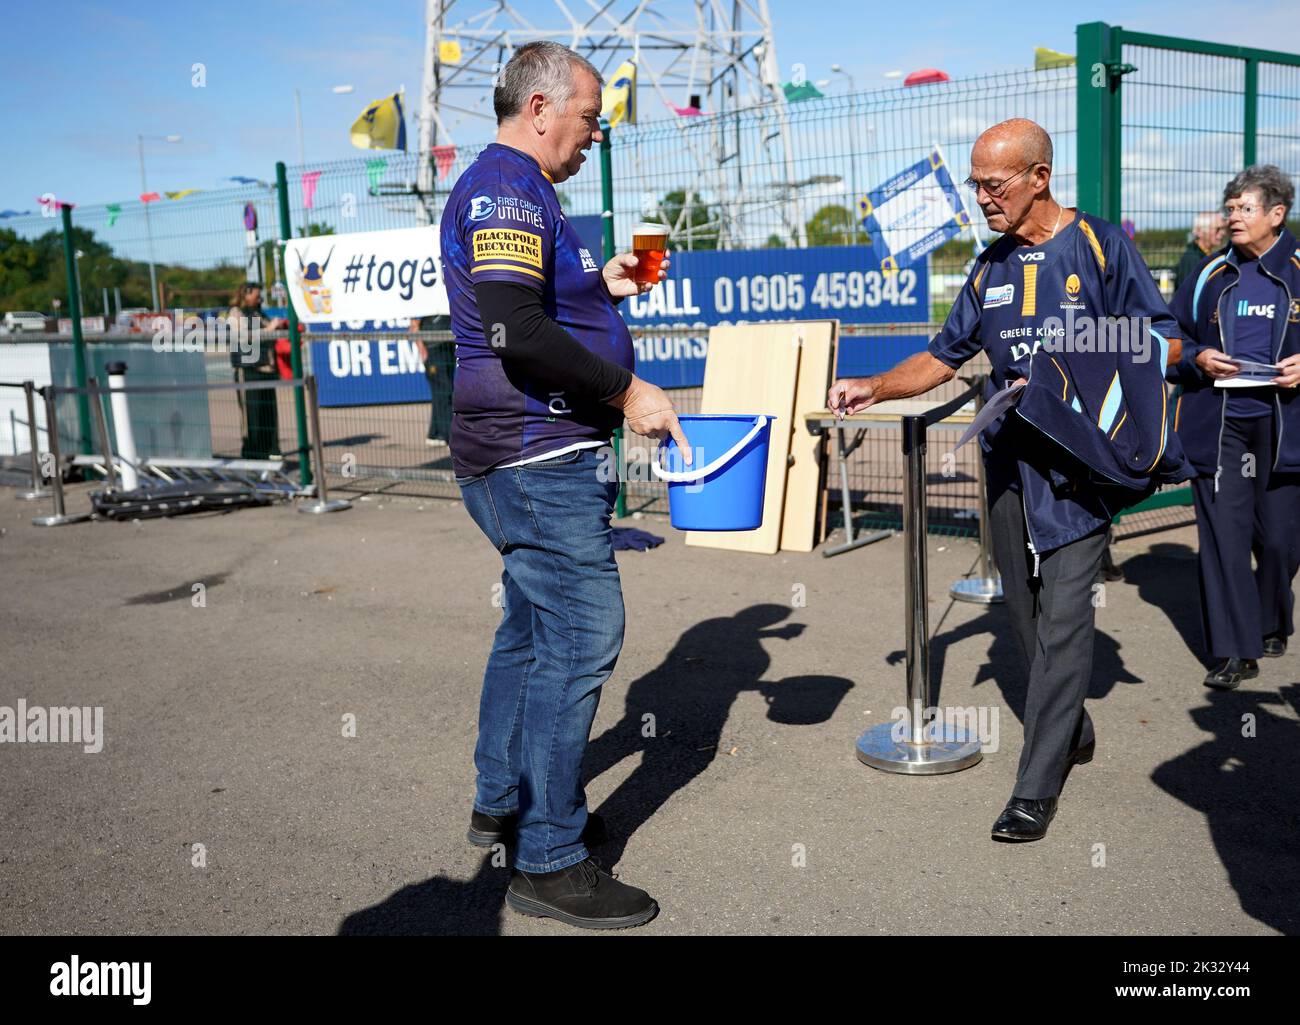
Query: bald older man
1053, 480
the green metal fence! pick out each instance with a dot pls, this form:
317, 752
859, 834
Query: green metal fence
1146, 129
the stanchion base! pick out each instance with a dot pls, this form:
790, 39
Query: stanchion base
333, 505
858, 542
32, 496
980, 591
59, 521
956, 751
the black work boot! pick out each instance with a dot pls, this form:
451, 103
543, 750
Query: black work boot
1230, 672
583, 895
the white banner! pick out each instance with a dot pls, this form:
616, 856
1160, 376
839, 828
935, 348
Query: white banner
368, 275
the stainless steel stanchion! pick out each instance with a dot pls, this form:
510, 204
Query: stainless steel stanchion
322, 504
38, 478
924, 743
101, 429
985, 588
60, 516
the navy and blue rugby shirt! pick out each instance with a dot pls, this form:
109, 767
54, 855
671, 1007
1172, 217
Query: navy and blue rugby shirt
1258, 300
503, 222
1012, 291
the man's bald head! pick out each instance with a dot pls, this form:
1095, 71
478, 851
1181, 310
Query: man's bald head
1017, 141
1011, 167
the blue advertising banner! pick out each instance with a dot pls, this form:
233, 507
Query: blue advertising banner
747, 286
367, 372
743, 286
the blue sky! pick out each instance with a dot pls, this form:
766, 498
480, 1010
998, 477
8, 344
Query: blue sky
81, 80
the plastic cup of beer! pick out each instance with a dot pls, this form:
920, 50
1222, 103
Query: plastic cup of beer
650, 244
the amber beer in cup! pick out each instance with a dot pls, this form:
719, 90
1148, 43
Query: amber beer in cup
649, 243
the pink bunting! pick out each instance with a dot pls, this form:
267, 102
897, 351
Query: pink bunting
149, 197
686, 111
58, 204
443, 158
309, 180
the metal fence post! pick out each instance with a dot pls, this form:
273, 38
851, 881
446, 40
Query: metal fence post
607, 246
295, 333
60, 516
1250, 122
78, 343
38, 478
322, 503
101, 429
1097, 95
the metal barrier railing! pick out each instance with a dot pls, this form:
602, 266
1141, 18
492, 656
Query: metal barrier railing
36, 491
110, 456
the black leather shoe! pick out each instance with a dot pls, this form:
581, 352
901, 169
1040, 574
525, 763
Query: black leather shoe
486, 830
582, 895
1230, 672
1274, 647
1024, 819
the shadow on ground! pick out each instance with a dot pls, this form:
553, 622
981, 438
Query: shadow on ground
674, 716
1243, 779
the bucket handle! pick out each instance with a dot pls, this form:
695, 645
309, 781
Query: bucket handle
688, 476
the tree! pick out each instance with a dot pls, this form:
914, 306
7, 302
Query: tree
834, 225
694, 224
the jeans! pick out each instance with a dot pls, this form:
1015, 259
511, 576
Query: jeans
559, 637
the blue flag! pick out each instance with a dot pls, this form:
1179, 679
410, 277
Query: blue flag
913, 213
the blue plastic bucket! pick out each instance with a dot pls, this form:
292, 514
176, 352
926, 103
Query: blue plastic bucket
723, 488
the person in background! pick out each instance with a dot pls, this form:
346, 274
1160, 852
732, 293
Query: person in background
1207, 236
439, 360
255, 362
1244, 442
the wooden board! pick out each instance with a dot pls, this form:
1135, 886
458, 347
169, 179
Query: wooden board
752, 368
816, 365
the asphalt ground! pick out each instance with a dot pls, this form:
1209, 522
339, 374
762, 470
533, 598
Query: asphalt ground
229, 799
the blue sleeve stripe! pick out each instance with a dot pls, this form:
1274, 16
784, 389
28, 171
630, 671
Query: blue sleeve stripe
1164, 400
1110, 405
1202, 279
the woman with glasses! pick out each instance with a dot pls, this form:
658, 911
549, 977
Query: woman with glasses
1239, 421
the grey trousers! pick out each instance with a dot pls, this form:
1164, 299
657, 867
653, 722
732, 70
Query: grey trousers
1053, 620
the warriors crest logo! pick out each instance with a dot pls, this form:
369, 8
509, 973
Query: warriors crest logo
1072, 287
311, 280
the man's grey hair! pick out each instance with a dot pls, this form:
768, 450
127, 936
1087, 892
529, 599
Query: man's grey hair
539, 67
1206, 220
1267, 181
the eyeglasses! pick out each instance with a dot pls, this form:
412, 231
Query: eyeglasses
1246, 210
995, 189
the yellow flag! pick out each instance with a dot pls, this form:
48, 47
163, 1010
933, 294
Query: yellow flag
1045, 58
382, 125
180, 195
449, 51
618, 101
